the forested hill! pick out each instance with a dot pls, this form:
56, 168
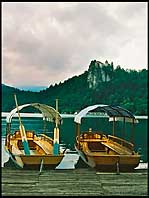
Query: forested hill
100, 84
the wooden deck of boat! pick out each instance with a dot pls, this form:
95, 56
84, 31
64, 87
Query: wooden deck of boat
73, 182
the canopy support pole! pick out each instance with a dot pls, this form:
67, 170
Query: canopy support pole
132, 133
124, 127
44, 125
8, 127
113, 126
56, 133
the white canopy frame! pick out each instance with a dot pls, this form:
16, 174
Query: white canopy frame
48, 112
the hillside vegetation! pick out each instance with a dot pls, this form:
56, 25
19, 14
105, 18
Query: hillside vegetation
100, 84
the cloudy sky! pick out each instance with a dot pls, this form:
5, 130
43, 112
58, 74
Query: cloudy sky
45, 43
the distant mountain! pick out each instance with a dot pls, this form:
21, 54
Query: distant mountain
101, 84
32, 88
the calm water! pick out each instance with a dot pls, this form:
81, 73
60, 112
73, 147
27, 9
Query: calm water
67, 130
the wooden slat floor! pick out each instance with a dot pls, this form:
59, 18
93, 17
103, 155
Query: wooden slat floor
76, 182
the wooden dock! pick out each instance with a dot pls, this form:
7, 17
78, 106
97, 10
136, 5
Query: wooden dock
73, 182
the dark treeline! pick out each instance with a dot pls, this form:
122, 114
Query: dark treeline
126, 88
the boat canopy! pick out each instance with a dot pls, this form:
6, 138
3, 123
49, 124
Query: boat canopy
48, 112
116, 113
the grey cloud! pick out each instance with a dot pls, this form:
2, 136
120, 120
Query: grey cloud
62, 38
130, 10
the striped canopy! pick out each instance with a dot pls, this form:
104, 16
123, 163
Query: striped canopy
116, 112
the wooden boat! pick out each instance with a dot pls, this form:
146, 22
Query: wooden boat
26, 148
103, 151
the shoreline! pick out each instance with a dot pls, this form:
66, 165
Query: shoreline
39, 115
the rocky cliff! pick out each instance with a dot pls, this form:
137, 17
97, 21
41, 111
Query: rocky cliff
99, 72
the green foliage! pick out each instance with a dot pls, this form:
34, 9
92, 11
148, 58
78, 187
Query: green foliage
127, 88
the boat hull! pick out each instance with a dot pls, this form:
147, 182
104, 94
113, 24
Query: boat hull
41, 152
34, 161
110, 163
49, 162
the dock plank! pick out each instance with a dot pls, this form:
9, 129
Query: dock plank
86, 182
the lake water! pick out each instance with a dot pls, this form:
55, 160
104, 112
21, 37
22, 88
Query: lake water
67, 131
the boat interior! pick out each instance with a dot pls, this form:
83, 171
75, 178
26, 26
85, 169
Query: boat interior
107, 144
41, 144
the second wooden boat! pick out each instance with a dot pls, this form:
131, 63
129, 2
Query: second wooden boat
103, 151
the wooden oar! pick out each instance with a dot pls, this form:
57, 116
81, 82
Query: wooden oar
22, 131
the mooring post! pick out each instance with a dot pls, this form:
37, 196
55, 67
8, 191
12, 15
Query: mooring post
78, 134
41, 166
117, 167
